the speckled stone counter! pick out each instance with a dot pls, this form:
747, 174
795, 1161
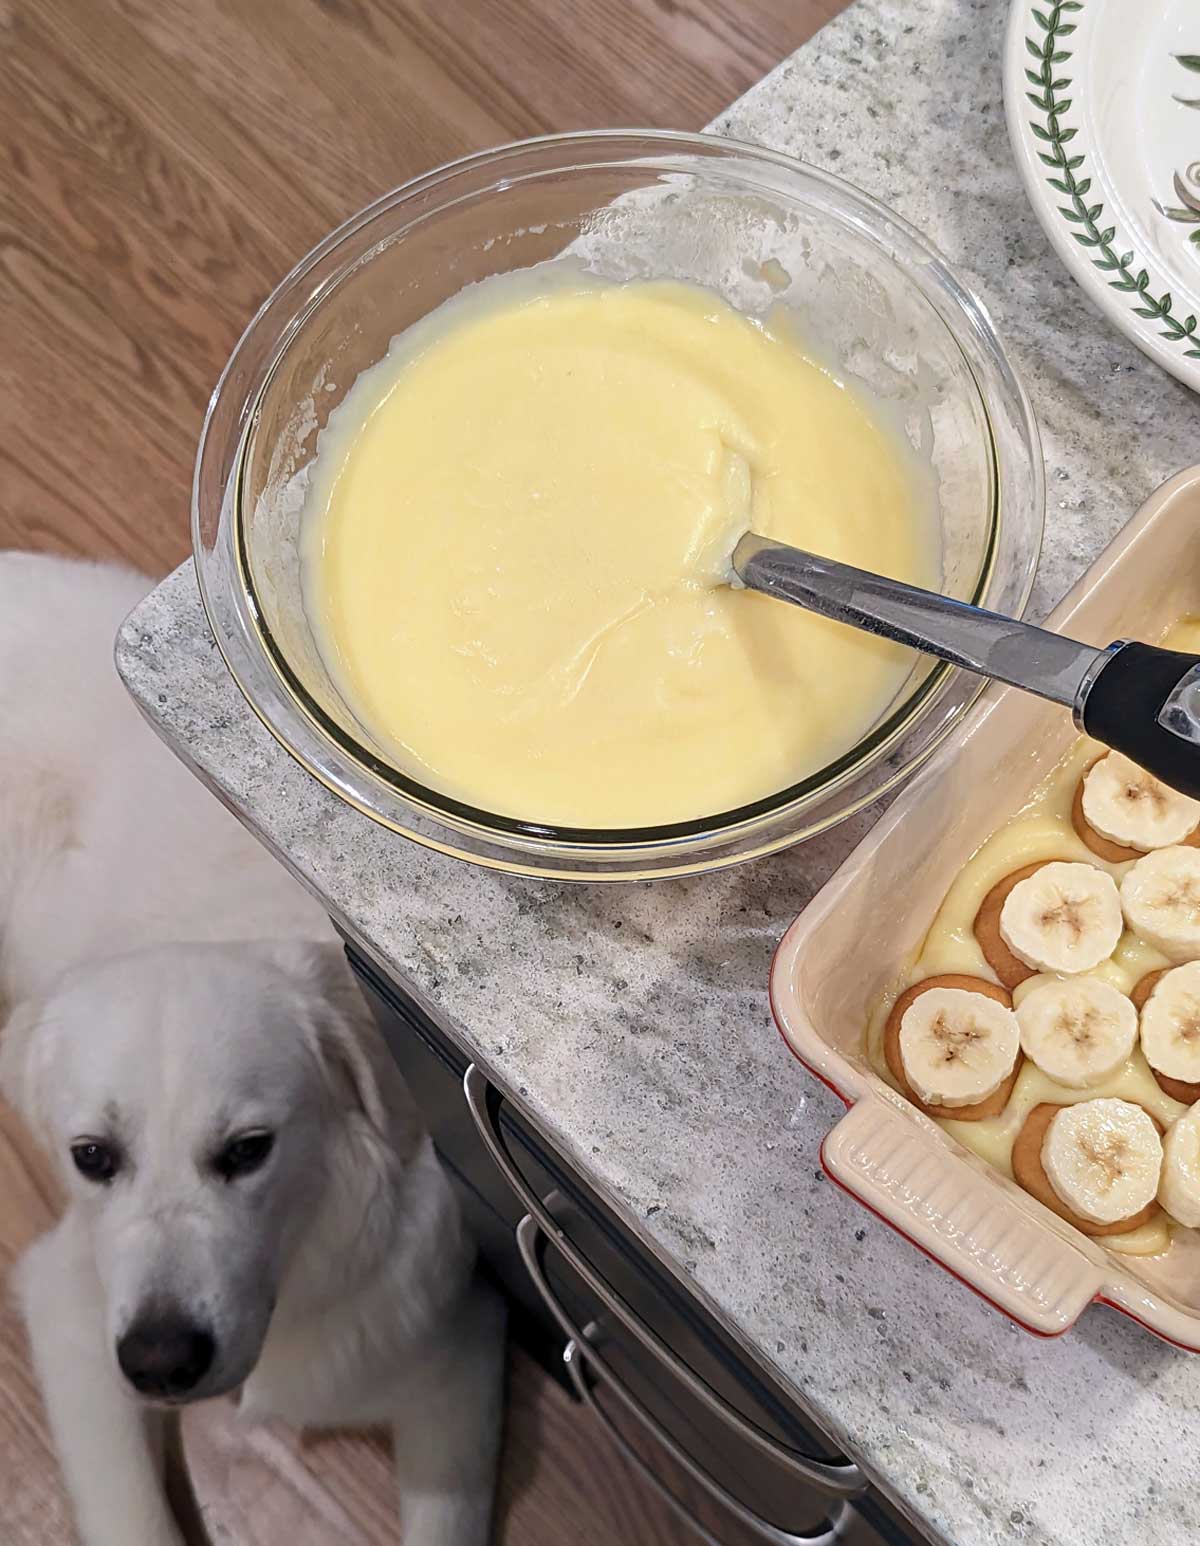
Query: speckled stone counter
631, 1023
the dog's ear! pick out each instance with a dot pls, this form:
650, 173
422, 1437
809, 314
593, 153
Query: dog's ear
344, 1035
350, 1069
22, 1061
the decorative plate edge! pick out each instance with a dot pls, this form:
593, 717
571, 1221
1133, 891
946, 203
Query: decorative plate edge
1052, 133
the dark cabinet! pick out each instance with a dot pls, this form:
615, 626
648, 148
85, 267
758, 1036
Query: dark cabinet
733, 1453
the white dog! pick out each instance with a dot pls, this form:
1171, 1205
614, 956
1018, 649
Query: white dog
252, 1200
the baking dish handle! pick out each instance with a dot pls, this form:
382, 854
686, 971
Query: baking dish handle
963, 1219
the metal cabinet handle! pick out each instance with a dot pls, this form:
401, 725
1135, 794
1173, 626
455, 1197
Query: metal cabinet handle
580, 1348
839, 1478
573, 1362
826, 1534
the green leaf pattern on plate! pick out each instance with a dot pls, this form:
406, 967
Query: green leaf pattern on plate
1067, 175
1189, 62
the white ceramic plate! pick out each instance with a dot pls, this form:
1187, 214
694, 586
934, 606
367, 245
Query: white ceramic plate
1103, 106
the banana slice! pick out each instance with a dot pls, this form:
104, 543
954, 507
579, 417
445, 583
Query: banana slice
1102, 847
1129, 806
1179, 1187
957, 1047
1064, 918
1112, 853
1186, 1092
1029, 1172
1079, 1031
986, 928
980, 1110
1103, 1158
1160, 896
1171, 1024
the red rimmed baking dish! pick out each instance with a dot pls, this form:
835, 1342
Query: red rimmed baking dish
863, 927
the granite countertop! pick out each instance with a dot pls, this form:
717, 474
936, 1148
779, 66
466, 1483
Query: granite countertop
631, 1023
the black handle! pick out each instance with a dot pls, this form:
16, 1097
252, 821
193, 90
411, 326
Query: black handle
1122, 709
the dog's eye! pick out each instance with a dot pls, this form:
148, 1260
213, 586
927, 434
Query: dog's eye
242, 1155
96, 1161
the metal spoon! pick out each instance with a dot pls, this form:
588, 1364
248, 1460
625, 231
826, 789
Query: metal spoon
1137, 698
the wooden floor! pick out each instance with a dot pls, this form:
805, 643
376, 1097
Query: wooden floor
162, 164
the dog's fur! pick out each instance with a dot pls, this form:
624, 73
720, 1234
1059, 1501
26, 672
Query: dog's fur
164, 988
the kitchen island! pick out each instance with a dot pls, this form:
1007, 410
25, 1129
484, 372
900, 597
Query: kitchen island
630, 1025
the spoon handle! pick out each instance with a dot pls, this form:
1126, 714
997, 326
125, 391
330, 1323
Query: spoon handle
1146, 703
1136, 698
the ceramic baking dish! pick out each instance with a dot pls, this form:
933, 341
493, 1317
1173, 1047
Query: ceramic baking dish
851, 943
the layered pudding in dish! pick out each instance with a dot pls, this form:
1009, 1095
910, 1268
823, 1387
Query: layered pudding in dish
1051, 1021
517, 540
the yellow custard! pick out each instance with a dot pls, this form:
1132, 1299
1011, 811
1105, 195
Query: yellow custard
517, 542
1042, 830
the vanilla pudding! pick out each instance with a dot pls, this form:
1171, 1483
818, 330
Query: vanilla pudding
517, 540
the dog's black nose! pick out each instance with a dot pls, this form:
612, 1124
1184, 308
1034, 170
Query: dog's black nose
163, 1356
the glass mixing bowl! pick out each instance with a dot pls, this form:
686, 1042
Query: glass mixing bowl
872, 298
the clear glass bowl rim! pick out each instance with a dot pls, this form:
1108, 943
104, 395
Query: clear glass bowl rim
855, 780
